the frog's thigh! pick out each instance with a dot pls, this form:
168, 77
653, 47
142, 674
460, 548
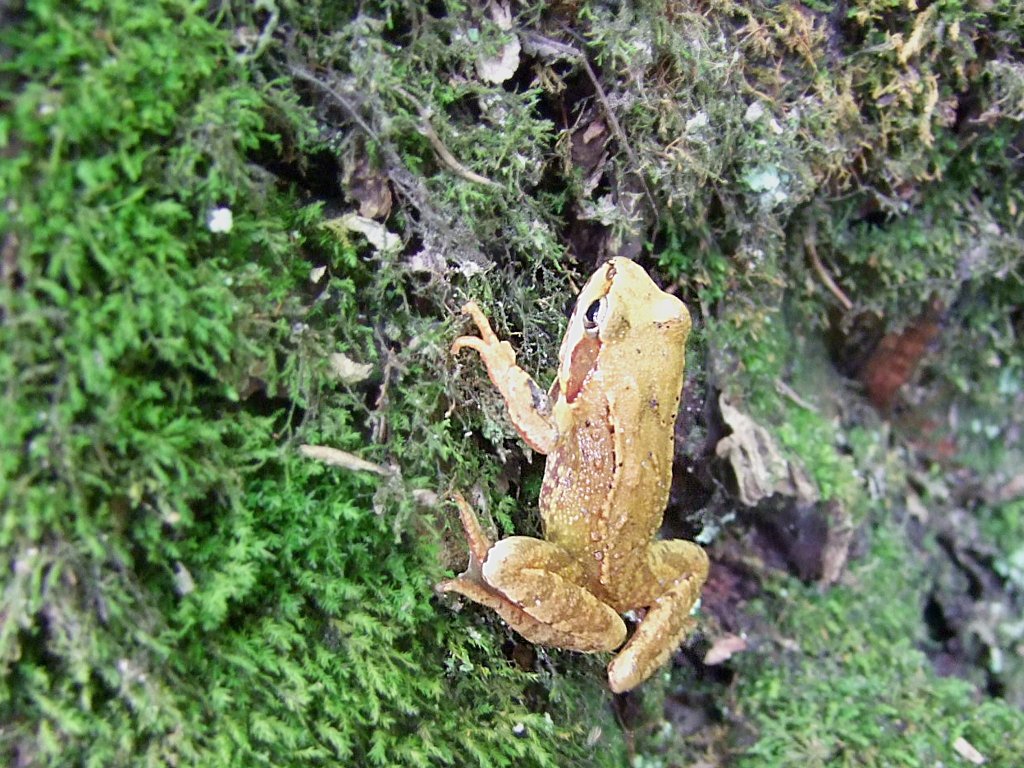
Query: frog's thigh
682, 567
540, 579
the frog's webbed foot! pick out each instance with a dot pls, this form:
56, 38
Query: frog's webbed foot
531, 584
528, 405
682, 567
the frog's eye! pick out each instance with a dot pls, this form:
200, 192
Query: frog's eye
592, 317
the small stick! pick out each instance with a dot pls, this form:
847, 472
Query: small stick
443, 153
446, 156
309, 77
787, 391
539, 41
344, 459
823, 274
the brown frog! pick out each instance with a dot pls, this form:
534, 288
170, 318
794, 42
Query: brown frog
607, 427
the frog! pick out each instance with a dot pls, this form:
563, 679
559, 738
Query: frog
607, 427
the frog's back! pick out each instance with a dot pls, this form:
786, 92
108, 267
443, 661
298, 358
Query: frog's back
578, 479
606, 483
645, 380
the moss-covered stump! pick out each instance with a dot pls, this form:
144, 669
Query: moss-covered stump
232, 231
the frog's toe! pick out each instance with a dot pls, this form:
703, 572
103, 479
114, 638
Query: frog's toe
473, 342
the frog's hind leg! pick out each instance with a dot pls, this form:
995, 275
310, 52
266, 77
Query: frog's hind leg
678, 569
533, 585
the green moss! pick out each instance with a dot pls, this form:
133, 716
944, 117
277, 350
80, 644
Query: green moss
184, 588
853, 688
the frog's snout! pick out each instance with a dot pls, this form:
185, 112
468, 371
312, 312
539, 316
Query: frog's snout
668, 310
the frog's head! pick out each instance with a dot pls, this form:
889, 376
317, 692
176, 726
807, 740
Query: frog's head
619, 306
621, 299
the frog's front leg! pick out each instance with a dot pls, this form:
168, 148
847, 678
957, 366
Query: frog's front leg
533, 585
676, 570
529, 407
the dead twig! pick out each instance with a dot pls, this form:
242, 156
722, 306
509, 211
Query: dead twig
823, 274
304, 74
546, 44
396, 169
447, 157
411, 187
338, 458
787, 391
442, 152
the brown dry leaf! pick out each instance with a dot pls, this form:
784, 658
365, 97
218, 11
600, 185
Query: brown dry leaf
588, 151
498, 69
367, 185
594, 130
723, 648
761, 470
